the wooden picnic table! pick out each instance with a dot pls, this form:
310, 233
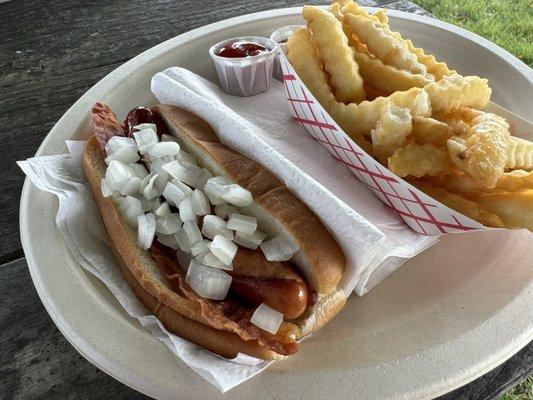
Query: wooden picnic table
51, 52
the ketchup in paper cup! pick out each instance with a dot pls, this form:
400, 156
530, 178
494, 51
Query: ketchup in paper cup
281, 36
244, 64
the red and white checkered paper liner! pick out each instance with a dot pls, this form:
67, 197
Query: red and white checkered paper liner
421, 212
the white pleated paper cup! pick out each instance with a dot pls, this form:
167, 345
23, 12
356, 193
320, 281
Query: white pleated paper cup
245, 76
280, 36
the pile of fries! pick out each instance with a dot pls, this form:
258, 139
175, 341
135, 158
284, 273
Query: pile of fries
417, 117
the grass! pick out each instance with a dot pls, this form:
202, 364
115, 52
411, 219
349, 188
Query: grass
508, 23
524, 391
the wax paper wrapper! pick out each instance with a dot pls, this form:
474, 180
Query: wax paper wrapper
422, 213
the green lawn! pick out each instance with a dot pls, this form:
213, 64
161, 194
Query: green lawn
508, 23
524, 391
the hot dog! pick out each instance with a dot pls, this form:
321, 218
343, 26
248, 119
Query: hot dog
302, 290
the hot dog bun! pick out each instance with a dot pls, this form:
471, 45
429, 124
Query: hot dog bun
277, 210
321, 265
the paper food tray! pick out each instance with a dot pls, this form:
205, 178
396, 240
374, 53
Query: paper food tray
421, 212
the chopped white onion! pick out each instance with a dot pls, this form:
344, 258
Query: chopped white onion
168, 240
279, 249
145, 203
267, 318
184, 259
161, 181
139, 170
155, 204
144, 126
189, 235
162, 210
210, 283
204, 176
215, 187
168, 138
252, 241
130, 208
225, 210
189, 174
224, 249
145, 138
213, 225
237, 195
185, 189
242, 223
119, 142
185, 158
106, 190
126, 155
168, 225
145, 230
131, 188
174, 194
186, 211
118, 174
156, 165
200, 203
148, 188
213, 261
163, 149
200, 248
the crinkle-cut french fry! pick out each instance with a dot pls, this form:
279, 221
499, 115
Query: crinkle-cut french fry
372, 93
434, 67
463, 115
457, 125
336, 53
355, 119
303, 55
453, 92
382, 43
482, 153
385, 77
420, 160
352, 8
335, 9
341, 3
514, 181
519, 154
457, 182
514, 208
432, 131
392, 128
458, 203
359, 119
382, 16
467, 186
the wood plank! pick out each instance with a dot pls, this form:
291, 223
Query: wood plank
36, 361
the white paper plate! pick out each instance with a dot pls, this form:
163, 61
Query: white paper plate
445, 318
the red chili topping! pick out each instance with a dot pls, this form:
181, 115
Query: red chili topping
241, 49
